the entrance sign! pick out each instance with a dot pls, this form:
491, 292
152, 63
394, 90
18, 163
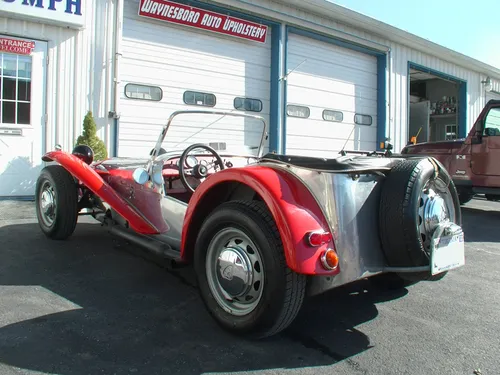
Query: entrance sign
186, 15
17, 46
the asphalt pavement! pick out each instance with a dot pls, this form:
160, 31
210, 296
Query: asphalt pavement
93, 305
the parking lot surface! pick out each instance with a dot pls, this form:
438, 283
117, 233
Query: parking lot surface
92, 305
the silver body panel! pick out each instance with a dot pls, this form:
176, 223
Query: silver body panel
173, 211
350, 203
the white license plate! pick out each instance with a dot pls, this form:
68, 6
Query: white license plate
448, 253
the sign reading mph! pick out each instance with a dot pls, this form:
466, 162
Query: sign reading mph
202, 19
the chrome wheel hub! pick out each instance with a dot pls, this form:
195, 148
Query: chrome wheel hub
47, 204
436, 206
234, 271
435, 211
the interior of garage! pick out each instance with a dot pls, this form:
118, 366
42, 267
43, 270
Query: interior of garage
434, 107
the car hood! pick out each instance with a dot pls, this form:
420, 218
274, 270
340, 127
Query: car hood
439, 147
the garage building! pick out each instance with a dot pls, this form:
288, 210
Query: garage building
323, 77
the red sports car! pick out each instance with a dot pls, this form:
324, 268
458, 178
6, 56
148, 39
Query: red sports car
261, 231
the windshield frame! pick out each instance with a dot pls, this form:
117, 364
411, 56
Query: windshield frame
164, 131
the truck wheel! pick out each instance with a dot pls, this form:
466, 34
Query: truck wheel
242, 273
417, 195
465, 196
56, 202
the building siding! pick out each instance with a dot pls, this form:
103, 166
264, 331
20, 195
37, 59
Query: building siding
397, 81
79, 72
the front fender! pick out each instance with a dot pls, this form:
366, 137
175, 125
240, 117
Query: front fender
91, 179
291, 204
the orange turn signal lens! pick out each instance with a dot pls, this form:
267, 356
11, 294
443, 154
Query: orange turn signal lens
330, 260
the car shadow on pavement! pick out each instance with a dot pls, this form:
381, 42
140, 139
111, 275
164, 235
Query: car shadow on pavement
480, 225
85, 306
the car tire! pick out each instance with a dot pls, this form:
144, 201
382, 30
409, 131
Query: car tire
56, 202
276, 292
413, 188
465, 196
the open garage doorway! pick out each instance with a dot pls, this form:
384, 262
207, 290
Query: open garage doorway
436, 112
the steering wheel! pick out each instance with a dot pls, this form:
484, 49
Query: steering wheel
199, 171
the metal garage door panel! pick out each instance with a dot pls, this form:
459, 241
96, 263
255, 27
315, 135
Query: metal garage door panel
326, 76
176, 59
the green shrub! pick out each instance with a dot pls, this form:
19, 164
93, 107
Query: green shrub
89, 137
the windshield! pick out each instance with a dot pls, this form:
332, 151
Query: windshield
226, 132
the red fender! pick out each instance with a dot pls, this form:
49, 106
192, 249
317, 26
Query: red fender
294, 209
91, 179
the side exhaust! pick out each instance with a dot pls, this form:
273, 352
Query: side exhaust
150, 245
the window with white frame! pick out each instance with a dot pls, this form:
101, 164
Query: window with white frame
298, 111
15, 89
247, 104
334, 116
203, 99
362, 119
143, 92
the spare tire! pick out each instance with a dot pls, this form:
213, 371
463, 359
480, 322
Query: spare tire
416, 196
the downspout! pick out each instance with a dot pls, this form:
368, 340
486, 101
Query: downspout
115, 112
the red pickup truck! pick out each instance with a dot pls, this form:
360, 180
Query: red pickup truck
473, 162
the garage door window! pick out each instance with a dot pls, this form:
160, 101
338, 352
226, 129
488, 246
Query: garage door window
143, 92
15, 93
297, 111
363, 119
199, 98
247, 104
335, 116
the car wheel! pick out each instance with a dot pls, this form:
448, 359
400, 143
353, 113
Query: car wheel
242, 273
417, 196
56, 202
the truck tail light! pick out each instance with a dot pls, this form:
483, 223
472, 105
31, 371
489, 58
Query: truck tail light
330, 260
316, 239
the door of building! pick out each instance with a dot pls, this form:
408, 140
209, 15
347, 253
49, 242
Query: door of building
22, 114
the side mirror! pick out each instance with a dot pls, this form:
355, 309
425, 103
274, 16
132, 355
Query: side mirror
141, 176
477, 138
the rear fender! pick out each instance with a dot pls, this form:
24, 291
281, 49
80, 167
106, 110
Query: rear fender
93, 181
294, 209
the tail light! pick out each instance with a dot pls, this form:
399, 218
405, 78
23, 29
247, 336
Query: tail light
329, 258
317, 239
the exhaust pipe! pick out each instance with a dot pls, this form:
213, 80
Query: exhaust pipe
148, 244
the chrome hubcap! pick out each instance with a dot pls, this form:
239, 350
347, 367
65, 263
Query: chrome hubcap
47, 204
436, 206
235, 271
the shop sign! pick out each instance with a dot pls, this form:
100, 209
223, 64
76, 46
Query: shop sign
169, 11
64, 12
17, 46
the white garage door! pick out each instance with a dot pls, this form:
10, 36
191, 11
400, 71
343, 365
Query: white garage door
178, 65
331, 97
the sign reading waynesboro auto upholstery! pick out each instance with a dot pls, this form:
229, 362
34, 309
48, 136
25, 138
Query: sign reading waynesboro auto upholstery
202, 19
18, 46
